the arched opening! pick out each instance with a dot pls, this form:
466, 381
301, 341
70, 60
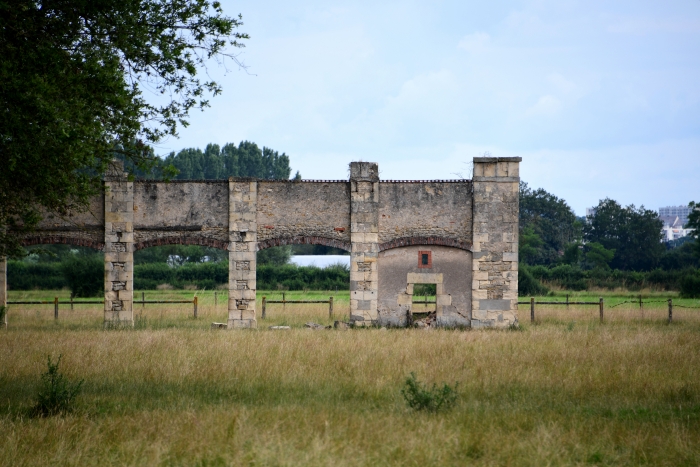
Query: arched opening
306, 269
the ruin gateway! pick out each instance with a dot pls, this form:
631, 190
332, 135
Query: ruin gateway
461, 235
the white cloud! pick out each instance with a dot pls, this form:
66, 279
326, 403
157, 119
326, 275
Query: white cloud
477, 42
546, 106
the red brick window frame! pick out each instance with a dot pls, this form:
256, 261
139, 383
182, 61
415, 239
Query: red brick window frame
425, 259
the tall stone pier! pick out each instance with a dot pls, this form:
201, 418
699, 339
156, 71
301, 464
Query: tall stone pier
243, 240
119, 247
364, 238
495, 241
3, 287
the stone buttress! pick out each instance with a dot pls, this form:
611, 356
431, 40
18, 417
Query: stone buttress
3, 286
364, 236
119, 247
243, 197
495, 241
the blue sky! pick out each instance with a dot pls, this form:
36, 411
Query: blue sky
600, 98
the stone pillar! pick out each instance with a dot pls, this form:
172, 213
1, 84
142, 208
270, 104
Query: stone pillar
243, 226
364, 235
119, 247
495, 251
3, 287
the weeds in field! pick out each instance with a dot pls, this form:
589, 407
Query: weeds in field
56, 395
419, 397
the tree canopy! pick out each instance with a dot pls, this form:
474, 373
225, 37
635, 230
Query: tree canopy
633, 233
694, 223
547, 225
81, 80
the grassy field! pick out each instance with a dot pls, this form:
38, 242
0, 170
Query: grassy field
564, 391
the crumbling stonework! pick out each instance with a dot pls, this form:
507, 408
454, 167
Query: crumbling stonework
495, 249
364, 234
119, 247
243, 197
469, 227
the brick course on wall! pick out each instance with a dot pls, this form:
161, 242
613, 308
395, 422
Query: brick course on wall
363, 215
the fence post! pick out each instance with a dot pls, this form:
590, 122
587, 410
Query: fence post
601, 309
567, 301
194, 301
215, 298
264, 307
641, 306
532, 309
143, 299
55, 308
670, 310
71, 302
284, 302
330, 307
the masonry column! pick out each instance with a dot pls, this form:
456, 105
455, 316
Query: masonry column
242, 215
495, 251
364, 235
3, 287
119, 247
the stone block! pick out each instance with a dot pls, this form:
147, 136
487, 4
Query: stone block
424, 278
494, 305
444, 300
405, 299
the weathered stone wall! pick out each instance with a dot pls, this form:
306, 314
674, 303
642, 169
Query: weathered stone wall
3, 286
450, 269
80, 228
362, 215
303, 212
190, 212
242, 213
119, 248
419, 211
495, 278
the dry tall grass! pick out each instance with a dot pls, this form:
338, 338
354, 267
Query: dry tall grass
565, 391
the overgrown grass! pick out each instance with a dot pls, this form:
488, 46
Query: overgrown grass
623, 393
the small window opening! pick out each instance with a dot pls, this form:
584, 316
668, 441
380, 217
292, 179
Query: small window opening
425, 259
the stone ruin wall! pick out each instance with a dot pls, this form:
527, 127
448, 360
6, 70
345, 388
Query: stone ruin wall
363, 215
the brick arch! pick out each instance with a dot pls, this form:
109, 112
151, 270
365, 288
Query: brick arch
182, 240
309, 240
62, 240
410, 241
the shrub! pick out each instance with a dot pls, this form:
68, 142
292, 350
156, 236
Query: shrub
419, 397
528, 285
56, 395
690, 285
84, 274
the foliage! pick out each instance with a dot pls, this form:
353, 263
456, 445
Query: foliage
694, 223
246, 160
56, 395
690, 285
528, 285
634, 234
22, 275
683, 256
572, 253
73, 76
276, 256
424, 289
84, 274
597, 256
178, 255
420, 397
551, 220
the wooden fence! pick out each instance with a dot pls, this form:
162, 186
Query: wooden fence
72, 303
601, 305
284, 301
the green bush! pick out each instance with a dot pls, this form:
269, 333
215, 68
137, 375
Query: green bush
528, 286
419, 397
28, 276
84, 275
690, 285
56, 395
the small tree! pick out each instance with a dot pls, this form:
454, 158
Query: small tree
84, 274
56, 395
597, 256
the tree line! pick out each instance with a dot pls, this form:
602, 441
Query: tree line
218, 163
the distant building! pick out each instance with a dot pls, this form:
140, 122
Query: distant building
672, 211
591, 211
673, 228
